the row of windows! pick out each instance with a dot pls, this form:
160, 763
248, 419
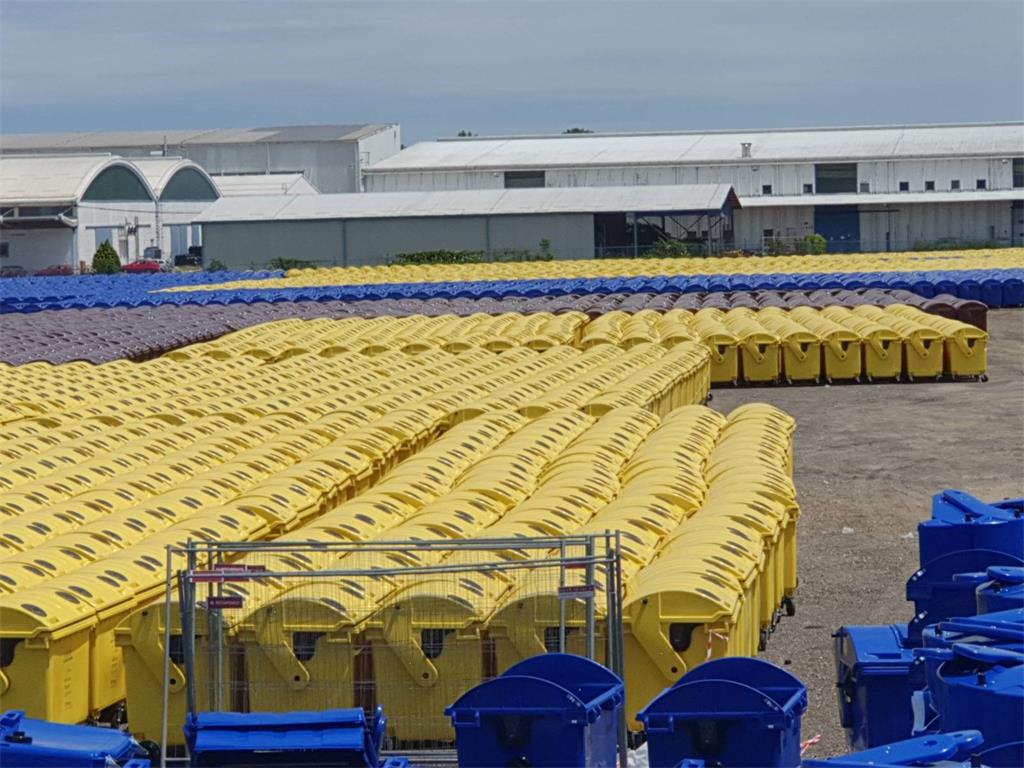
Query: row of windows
865, 187
829, 178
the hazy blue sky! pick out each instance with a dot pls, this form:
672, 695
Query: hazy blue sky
491, 67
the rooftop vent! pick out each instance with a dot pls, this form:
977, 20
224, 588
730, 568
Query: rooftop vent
745, 149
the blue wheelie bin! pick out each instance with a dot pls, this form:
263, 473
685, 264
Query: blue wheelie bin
947, 586
1003, 591
29, 743
330, 738
877, 677
978, 687
734, 711
945, 749
555, 709
960, 521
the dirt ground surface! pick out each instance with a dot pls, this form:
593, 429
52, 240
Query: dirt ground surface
868, 460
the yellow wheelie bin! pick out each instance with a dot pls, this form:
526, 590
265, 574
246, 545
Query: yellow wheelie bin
800, 348
300, 645
45, 666
140, 638
426, 647
721, 343
673, 622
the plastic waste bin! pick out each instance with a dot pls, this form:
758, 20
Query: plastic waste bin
945, 749
735, 711
331, 737
554, 709
877, 675
1003, 591
946, 586
978, 687
960, 521
26, 742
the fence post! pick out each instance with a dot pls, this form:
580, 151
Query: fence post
167, 661
592, 597
186, 594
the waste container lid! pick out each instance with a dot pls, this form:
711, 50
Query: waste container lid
338, 729
926, 750
1006, 574
875, 650
59, 744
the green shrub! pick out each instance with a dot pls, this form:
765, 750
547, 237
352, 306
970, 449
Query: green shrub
216, 265
440, 256
815, 243
105, 261
284, 263
668, 249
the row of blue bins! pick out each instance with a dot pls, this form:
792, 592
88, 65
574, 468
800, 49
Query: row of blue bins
332, 738
996, 288
958, 665
564, 710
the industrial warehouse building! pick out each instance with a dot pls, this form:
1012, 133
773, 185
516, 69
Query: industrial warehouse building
331, 157
364, 229
57, 209
873, 188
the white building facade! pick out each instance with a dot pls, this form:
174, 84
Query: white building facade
874, 188
331, 157
56, 210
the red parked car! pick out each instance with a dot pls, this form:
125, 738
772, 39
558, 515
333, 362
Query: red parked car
141, 267
55, 269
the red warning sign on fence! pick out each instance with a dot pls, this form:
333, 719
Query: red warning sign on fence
219, 602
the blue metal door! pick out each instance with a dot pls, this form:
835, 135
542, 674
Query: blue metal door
840, 225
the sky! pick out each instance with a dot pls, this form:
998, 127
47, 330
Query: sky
507, 67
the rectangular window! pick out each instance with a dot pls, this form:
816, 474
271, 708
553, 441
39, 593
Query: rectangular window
5, 250
904, 186
835, 178
105, 235
520, 179
808, 189
865, 187
929, 186
768, 234
766, 189
197, 234
980, 184
954, 184
1018, 172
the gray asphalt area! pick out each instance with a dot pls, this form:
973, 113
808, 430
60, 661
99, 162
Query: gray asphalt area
869, 458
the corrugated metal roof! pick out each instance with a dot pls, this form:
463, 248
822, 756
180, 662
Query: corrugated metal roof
43, 179
965, 196
60, 142
160, 170
246, 184
799, 145
482, 202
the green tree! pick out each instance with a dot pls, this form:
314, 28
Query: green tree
105, 261
216, 266
465, 134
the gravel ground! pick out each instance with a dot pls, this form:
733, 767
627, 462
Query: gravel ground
869, 458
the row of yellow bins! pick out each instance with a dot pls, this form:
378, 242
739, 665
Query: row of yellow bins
807, 344
230, 448
911, 261
717, 582
704, 505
